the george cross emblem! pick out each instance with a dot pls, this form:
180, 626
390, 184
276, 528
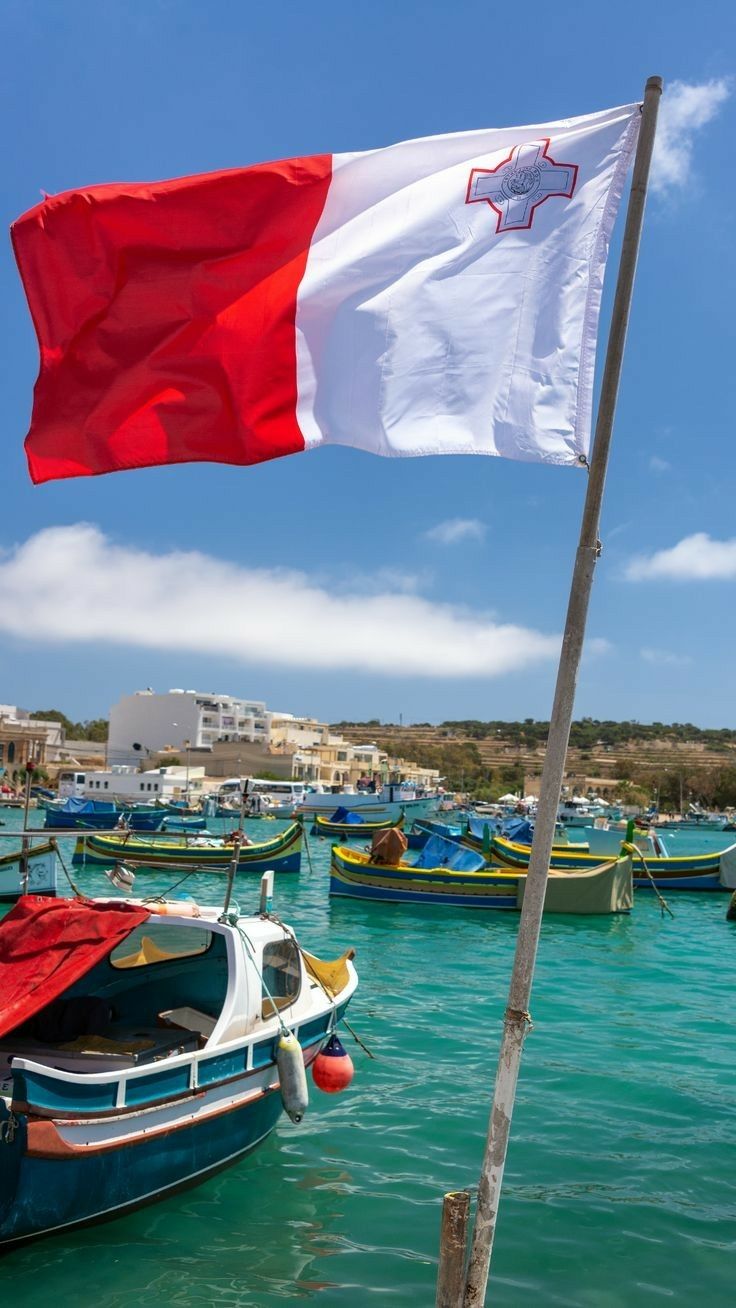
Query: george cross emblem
515, 187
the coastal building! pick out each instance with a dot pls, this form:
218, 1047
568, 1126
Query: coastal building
18, 729
337, 762
288, 733
146, 722
130, 784
240, 758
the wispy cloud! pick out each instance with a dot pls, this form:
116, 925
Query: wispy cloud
453, 530
686, 108
598, 646
695, 558
665, 658
612, 532
659, 465
74, 585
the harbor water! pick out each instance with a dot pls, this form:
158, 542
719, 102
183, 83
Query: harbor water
619, 1186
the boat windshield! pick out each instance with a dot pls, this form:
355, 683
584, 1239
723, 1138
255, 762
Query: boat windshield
281, 973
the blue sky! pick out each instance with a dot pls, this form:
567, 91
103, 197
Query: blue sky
281, 581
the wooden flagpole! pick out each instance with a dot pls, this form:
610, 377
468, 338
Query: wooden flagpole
517, 1016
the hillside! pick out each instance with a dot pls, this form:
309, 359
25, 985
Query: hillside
677, 761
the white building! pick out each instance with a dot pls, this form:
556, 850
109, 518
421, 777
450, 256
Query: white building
288, 733
128, 784
145, 722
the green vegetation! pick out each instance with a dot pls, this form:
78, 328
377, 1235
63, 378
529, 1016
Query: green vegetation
96, 729
589, 733
586, 733
460, 765
667, 771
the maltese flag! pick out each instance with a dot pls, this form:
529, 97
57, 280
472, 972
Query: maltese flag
440, 296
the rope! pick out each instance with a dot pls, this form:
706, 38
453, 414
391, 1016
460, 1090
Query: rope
357, 1038
518, 1015
64, 869
306, 846
272, 917
636, 852
249, 946
8, 1128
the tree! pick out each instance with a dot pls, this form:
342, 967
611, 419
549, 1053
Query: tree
95, 729
54, 715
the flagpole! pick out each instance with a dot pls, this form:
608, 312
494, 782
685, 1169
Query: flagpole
516, 1017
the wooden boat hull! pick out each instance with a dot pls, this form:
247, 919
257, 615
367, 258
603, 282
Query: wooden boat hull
283, 853
41, 873
60, 1192
692, 872
61, 1173
480, 836
362, 830
353, 876
159, 1094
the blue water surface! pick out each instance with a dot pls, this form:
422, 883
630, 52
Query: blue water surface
619, 1186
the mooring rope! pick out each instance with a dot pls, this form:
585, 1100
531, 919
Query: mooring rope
635, 852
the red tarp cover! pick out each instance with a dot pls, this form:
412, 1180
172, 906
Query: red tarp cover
48, 944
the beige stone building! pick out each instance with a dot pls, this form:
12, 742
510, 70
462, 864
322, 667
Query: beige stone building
19, 742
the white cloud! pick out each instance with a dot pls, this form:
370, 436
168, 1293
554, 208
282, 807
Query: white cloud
695, 558
685, 108
659, 465
665, 658
73, 585
456, 529
598, 646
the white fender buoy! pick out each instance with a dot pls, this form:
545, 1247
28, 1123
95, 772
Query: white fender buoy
292, 1076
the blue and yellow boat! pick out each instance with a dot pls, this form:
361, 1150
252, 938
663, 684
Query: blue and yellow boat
480, 832
450, 874
282, 853
348, 824
686, 872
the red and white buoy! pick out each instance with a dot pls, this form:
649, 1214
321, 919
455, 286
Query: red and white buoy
332, 1069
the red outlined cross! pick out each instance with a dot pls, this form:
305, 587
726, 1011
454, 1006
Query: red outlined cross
521, 182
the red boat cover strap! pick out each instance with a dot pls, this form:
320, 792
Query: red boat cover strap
48, 944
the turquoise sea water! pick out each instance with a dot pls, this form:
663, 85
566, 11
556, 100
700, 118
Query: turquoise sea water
619, 1186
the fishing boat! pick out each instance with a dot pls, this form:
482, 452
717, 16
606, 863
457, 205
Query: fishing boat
282, 853
450, 874
33, 873
347, 824
145, 1046
685, 872
392, 801
450, 830
479, 834
181, 823
98, 815
424, 828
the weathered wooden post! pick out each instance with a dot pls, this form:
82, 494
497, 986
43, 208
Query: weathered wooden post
453, 1249
516, 1019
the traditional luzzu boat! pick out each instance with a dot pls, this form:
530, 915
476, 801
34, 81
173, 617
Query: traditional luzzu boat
145, 1046
686, 872
479, 834
282, 853
450, 874
32, 873
348, 824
